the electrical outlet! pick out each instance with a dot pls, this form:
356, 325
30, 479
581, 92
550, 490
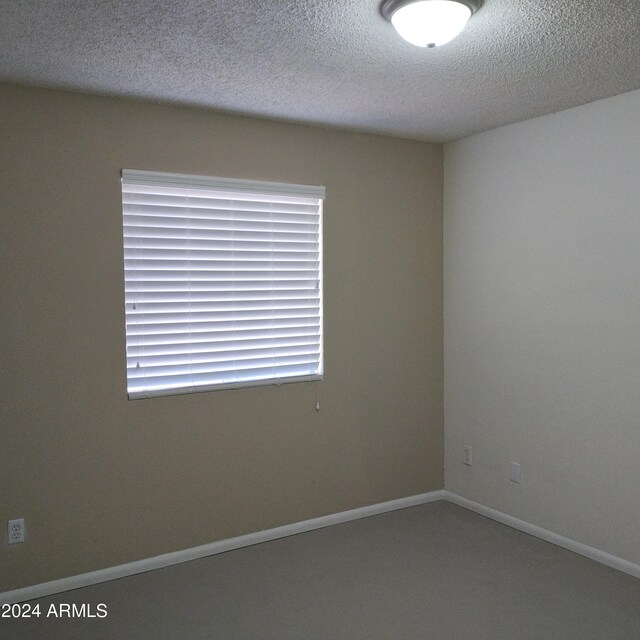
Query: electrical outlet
15, 531
516, 472
467, 454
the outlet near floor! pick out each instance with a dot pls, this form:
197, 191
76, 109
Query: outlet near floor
15, 531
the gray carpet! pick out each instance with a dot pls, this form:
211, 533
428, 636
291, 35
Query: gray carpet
432, 572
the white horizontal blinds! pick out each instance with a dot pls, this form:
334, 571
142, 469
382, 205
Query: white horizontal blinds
223, 282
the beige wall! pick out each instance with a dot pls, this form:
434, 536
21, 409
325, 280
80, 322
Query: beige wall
102, 480
542, 321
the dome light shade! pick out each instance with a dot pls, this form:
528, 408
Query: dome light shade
429, 23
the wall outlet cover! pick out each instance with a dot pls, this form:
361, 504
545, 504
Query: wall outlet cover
15, 531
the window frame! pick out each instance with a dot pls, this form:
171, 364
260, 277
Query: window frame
167, 181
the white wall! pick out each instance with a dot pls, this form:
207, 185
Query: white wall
542, 321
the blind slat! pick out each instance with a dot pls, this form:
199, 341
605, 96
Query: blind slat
173, 339
220, 210
238, 375
221, 365
203, 354
236, 224
188, 266
152, 307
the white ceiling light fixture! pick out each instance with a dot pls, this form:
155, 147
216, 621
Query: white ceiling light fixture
429, 23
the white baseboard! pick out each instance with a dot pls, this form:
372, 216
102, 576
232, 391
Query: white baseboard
577, 547
185, 555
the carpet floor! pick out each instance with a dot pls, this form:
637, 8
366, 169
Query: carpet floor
431, 572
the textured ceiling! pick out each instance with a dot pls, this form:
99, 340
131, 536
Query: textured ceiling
332, 62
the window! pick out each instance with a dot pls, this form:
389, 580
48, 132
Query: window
223, 283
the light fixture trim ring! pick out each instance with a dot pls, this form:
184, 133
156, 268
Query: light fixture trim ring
389, 7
